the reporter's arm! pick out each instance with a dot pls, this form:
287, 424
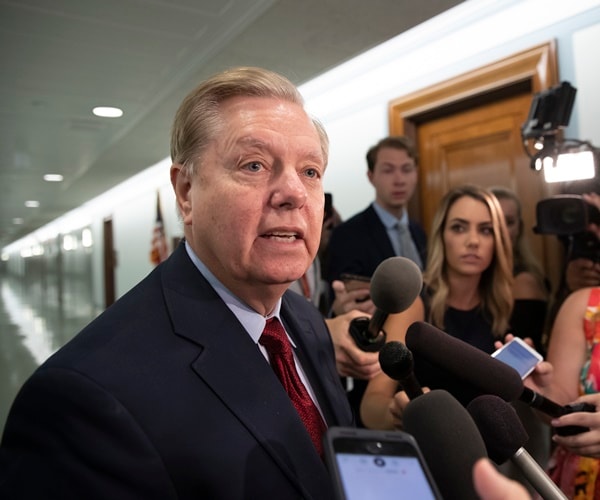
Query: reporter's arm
567, 348
382, 405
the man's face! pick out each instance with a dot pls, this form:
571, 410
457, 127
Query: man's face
254, 210
394, 178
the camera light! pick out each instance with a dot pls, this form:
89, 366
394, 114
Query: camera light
569, 167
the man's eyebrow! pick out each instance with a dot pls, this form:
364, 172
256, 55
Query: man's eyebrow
315, 156
250, 141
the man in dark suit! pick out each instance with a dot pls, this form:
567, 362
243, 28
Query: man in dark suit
169, 394
360, 244
382, 230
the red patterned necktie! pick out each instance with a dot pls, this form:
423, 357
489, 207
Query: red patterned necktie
275, 341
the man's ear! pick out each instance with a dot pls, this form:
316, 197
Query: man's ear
370, 176
182, 185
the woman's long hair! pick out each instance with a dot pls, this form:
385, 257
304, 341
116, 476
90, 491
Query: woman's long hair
495, 285
523, 258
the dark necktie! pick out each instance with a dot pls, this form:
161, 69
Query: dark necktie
275, 341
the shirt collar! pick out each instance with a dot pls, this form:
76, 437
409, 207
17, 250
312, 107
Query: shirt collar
253, 322
388, 220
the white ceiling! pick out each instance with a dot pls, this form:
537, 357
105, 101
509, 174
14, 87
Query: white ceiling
60, 58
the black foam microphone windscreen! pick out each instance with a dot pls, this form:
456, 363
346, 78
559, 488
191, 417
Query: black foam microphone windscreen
448, 439
504, 437
396, 361
499, 425
464, 362
396, 283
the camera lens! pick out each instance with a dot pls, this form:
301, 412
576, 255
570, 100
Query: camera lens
375, 447
571, 214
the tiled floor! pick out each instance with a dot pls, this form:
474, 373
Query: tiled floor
32, 327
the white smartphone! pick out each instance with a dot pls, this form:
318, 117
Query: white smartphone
519, 355
385, 465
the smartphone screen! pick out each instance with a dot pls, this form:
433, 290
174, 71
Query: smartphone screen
518, 355
383, 477
380, 467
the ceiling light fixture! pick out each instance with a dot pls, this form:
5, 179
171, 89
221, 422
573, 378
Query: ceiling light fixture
53, 178
32, 204
107, 112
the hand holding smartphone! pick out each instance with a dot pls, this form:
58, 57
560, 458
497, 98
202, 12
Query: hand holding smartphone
355, 282
386, 465
518, 354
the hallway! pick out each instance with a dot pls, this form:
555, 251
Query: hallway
33, 325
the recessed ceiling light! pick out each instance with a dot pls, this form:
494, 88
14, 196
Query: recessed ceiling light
53, 178
32, 203
107, 112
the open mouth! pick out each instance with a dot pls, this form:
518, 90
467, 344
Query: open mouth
281, 236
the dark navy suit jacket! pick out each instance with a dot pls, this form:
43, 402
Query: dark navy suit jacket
361, 243
165, 396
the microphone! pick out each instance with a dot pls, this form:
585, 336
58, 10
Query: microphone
473, 367
504, 437
396, 283
448, 439
397, 362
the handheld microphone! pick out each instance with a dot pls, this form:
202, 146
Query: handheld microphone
395, 285
396, 361
504, 437
474, 368
448, 439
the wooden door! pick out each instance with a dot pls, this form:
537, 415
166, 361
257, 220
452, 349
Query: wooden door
467, 130
480, 146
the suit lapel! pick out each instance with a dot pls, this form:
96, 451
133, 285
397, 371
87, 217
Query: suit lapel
235, 369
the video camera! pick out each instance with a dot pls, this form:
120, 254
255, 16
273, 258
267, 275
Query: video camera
569, 216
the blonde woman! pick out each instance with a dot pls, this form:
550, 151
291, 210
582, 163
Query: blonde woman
468, 294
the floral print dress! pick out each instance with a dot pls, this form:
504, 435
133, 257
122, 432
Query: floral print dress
579, 477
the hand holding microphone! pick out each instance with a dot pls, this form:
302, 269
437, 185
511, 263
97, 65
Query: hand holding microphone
504, 437
397, 362
395, 285
349, 359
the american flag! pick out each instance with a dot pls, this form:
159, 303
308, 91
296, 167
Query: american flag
160, 249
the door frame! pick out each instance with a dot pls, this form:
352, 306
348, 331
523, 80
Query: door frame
529, 71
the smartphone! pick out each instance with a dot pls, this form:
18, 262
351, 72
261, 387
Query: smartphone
366, 463
518, 354
355, 282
